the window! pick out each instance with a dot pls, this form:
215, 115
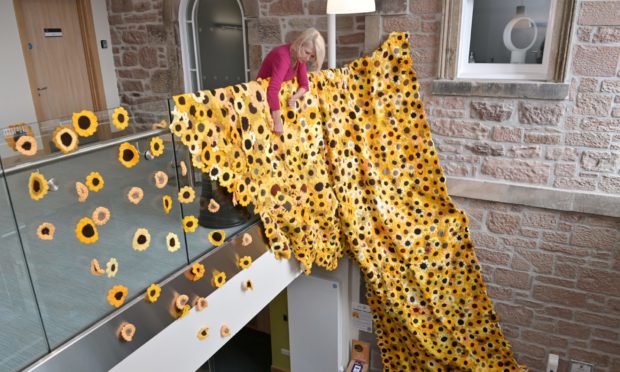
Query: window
508, 39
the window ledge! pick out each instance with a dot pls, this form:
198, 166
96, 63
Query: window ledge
507, 89
535, 196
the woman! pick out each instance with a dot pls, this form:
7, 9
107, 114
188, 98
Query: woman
288, 61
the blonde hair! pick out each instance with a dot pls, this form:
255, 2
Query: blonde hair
318, 44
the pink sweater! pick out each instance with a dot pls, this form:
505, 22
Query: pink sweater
277, 66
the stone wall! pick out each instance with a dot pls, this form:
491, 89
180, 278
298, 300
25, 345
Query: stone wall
145, 44
569, 144
554, 278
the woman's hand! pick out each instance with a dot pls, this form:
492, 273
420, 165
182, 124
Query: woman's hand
298, 94
292, 101
277, 122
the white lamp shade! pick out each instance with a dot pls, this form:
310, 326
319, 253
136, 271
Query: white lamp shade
350, 6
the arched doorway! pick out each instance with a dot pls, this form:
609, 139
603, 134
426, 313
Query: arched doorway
213, 43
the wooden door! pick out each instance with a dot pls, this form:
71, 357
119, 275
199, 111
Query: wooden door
53, 44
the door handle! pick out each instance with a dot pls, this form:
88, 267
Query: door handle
40, 89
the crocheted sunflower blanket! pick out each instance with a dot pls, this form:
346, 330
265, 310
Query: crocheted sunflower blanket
356, 172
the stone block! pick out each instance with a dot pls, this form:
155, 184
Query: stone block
507, 134
550, 294
503, 223
601, 125
250, 8
454, 103
520, 264
565, 270
540, 220
517, 170
425, 6
499, 293
142, 18
134, 37
595, 60
269, 31
317, 7
130, 59
594, 237
491, 111
574, 330
431, 26
599, 281
161, 82
461, 129
486, 149
141, 6
518, 242
423, 41
403, 23
561, 154
564, 248
542, 138
156, 34
525, 152
147, 56
588, 85
597, 319
121, 6
514, 314
547, 114
356, 38
512, 278
592, 104
448, 114
612, 348
132, 86
424, 55
598, 161
558, 312
286, 7
607, 35
610, 86
391, 6
588, 139
599, 13
575, 183
610, 184
546, 339
584, 34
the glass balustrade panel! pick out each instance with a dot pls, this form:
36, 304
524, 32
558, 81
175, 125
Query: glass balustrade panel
22, 339
71, 290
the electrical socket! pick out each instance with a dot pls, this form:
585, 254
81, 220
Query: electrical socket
577, 366
552, 363
286, 352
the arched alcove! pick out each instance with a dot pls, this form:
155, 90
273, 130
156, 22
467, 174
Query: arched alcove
213, 43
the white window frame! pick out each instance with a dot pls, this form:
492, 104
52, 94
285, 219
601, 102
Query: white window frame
455, 41
500, 71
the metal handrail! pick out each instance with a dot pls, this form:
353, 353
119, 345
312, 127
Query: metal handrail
84, 150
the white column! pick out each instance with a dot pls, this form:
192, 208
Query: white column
331, 40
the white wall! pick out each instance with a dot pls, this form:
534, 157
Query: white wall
15, 98
106, 59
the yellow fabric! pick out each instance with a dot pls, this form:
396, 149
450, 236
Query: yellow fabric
356, 171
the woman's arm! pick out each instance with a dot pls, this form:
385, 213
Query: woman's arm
302, 79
